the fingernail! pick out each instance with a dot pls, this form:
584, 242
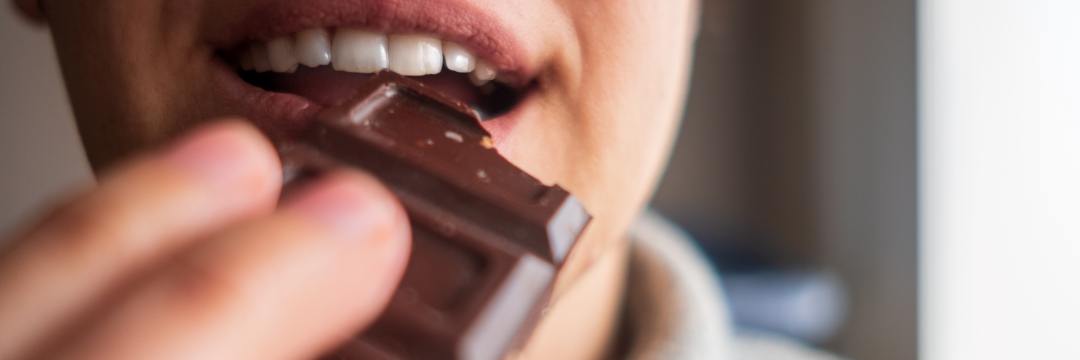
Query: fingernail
216, 153
350, 204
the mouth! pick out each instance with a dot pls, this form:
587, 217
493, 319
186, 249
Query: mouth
289, 60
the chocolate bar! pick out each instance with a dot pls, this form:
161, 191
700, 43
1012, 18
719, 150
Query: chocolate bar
488, 238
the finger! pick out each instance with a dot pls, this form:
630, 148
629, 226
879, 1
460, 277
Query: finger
144, 211
287, 286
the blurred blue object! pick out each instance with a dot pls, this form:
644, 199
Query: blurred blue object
805, 305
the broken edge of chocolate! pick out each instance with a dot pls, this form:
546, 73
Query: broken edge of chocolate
488, 238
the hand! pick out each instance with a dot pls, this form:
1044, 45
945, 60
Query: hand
183, 253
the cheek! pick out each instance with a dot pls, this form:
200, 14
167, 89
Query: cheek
126, 64
624, 110
634, 62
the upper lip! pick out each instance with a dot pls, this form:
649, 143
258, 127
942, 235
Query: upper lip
450, 20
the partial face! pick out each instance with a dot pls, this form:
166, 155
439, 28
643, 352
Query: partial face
585, 94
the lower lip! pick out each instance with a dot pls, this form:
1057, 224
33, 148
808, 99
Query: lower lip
282, 115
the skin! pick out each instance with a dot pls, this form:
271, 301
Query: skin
164, 268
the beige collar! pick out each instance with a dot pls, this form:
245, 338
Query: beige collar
675, 308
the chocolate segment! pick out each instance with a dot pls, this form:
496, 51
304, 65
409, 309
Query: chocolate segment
488, 238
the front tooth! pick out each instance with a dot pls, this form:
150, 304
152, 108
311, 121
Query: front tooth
359, 51
260, 57
415, 55
282, 56
458, 58
433, 56
483, 73
313, 47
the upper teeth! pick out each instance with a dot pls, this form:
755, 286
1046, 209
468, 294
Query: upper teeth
360, 51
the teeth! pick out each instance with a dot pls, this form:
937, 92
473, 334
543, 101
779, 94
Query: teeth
415, 55
359, 51
457, 58
313, 47
433, 57
483, 73
260, 57
282, 56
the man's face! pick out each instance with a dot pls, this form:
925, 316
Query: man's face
589, 94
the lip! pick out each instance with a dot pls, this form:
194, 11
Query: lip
282, 114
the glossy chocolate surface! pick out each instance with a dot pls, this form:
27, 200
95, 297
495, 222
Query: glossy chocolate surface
488, 238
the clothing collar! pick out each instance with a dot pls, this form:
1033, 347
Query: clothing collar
675, 307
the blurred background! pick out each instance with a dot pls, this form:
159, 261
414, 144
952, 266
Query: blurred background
886, 179
796, 168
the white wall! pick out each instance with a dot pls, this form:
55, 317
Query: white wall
1000, 179
40, 154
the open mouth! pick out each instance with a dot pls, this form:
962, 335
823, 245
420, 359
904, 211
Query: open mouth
325, 66
280, 62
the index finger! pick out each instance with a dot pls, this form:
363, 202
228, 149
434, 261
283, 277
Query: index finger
139, 214
286, 286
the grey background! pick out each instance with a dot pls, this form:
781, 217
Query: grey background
799, 140
39, 147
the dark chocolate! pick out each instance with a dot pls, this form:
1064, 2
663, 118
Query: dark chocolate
488, 238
